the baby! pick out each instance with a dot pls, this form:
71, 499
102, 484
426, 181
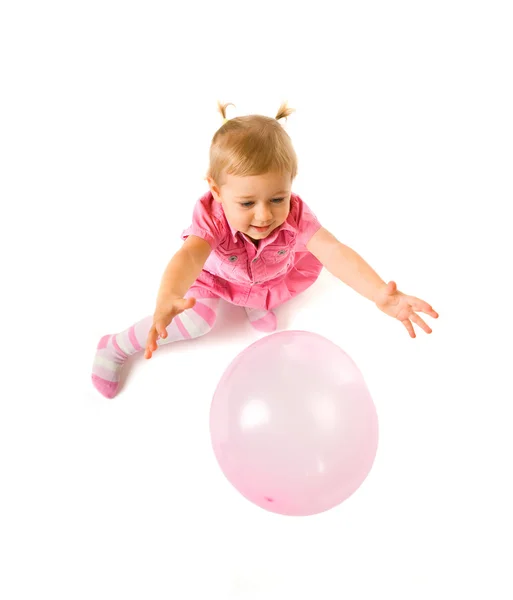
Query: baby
252, 242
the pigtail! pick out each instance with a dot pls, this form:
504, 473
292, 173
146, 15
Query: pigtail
284, 111
222, 109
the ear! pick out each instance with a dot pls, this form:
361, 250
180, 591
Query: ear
214, 188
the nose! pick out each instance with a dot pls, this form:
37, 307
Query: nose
263, 215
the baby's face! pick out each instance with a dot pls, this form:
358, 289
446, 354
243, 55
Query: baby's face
255, 204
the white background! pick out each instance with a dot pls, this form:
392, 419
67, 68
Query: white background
403, 128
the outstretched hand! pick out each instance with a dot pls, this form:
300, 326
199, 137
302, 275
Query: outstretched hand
163, 316
404, 308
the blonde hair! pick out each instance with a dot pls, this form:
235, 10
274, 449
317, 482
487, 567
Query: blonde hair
251, 145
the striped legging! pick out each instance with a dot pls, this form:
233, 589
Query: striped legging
113, 350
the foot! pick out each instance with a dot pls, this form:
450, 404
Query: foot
108, 362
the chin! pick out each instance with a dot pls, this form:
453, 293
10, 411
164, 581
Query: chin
254, 235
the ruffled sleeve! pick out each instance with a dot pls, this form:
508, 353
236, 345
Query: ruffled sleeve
305, 220
205, 224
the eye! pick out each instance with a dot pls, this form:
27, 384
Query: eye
274, 201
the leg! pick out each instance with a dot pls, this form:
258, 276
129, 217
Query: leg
113, 350
262, 320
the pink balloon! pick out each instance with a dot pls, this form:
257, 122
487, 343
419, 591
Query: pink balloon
293, 426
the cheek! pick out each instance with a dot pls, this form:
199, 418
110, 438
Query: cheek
243, 218
238, 217
283, 211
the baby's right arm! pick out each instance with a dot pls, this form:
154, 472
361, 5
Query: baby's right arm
183, 269
181, 272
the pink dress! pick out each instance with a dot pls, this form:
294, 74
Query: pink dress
262, 276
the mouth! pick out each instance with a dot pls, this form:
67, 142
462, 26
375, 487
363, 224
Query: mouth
261, 229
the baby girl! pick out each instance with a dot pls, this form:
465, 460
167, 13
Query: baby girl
252, 242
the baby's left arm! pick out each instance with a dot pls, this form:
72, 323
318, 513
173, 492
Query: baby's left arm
348, 266
345, 264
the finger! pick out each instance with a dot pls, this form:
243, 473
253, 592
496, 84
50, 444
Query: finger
148, 350
162, 325
151, 340
421, 323
421, 306
184, 304
409, 327
390, 288
152, 336
162, 329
